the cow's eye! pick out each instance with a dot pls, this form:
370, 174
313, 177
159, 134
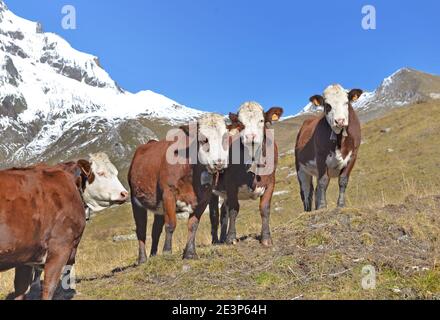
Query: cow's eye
328, 108
101, 174
204, 141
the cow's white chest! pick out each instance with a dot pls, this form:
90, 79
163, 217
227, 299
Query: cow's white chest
246, 193
336, 162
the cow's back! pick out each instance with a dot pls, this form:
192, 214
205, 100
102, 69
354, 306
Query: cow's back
37, 205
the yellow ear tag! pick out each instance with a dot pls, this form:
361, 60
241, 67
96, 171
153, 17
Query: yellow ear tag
356, 98
275, 117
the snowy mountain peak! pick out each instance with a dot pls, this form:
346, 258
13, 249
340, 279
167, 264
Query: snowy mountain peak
47, 88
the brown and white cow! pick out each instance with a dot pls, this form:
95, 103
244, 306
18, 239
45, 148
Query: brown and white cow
42, 215
251, 173
327, 146
164, 187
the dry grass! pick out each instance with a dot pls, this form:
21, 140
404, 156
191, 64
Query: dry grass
391, 223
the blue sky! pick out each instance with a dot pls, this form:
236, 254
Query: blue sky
216, 54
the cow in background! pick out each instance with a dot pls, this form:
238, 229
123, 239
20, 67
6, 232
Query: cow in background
327, 146
42, 216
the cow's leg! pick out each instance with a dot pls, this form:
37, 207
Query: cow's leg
140, 215
55, 263
193, 224
169, 205
214, 217
306, 186
265, 202
343, 181
224, 223
22, 281
323, 182
233, 209
159, 221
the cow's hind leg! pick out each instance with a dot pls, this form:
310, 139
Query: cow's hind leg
306, 186
140, 218
22, 281
159, 221
214, 217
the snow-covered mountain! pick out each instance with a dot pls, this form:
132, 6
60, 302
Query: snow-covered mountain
55, 100
404, 87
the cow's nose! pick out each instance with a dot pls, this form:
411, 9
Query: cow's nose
124, 195
340, 122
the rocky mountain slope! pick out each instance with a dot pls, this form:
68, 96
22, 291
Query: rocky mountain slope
57, 103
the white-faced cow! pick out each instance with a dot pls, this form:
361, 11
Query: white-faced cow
42, 215
165, 187
327, 146
251, 173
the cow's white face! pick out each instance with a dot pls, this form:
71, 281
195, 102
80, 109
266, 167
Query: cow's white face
336, 102
213, 138
103, 190
251, 115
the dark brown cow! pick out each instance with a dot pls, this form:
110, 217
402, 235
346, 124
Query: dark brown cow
164, 187
251, 173
42, 218
327, 146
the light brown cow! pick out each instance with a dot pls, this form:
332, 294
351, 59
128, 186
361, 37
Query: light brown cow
327, 146
42, 216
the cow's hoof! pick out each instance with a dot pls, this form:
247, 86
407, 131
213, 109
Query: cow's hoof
231, 241
267, 243
187, 255
167, 252
142, 261
215, 241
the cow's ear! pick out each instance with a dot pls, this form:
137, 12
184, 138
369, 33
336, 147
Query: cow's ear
273, 115
185, 129
235, 128
354, 95
86, 170
233, 117
317, 100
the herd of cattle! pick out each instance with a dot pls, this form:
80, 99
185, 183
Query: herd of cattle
43, 209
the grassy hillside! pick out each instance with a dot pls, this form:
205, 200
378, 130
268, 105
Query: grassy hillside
391, 223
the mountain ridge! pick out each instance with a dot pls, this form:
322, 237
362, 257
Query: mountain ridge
48, 89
